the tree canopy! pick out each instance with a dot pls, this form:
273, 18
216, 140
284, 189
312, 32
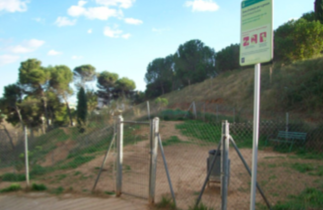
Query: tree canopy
83, 74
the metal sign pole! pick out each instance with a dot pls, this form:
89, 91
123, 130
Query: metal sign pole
255, 136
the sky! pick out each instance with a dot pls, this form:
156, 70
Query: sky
119, 36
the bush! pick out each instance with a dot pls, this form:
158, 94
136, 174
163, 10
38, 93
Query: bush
38, 187
12, 177
12, 187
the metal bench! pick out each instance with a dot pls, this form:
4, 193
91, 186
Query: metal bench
290, 138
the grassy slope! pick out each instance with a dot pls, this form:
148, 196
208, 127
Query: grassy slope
279, 91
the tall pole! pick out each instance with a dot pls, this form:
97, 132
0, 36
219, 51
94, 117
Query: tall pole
26, 156
148, 110
154, 130
224, 164
255, 136
119, 155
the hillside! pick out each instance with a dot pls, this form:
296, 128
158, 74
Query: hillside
296, 87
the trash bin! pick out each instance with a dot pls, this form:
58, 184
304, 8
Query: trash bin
215, 175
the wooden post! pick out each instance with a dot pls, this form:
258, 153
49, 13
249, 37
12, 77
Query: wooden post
119, 155
154, 130
224, 164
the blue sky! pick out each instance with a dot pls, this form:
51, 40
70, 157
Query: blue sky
120, 36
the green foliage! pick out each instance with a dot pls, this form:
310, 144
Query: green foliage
166, 203
228, 58
124, 87
315, 170
38, 187
38, 170
171, 141
194, 62
83, 74
81, 108
76, 162
161, 102
318, 6
310, 16
57, 191
200, 130
160, 77
298, 40
11, 188
308, 199
13, 177
201, 206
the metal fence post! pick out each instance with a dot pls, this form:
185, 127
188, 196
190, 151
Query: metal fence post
154, 130
119, 155
26, 156
224, 164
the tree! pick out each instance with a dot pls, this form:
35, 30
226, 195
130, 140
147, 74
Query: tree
61, 77
318, 8
160, 75
298, 40
10, 104
81, 110
124, 88
228, 58
34, 79
310, 16
106, 82
92, 100
2, 119
194, 62
84, 74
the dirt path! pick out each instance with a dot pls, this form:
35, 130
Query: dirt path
44, 201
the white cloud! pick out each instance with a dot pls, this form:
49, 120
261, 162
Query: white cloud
64, 21
89, 31
113, 33
53, 52
34, 43
202, 5
13, 5
121, 3
6, 59
133, 21
38, 19
159, 30
126, 36
101, 13
26, 46
77, 57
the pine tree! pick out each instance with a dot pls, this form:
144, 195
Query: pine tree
81, 109
318, 8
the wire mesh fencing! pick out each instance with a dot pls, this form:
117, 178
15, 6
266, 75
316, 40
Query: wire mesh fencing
290, 166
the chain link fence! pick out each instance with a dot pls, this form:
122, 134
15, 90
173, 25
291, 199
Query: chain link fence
290, 166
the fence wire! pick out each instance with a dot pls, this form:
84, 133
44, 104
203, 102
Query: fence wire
66, 160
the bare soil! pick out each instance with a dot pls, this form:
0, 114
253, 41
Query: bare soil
187, 167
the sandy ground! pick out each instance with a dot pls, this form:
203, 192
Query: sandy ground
44, 201
187, 168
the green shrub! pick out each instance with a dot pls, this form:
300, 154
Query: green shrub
12, 187
38, 187
13, 177
166, 203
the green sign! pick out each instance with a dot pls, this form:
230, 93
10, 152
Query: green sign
256, 32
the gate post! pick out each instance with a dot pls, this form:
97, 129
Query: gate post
154, 130
119, 155
224, 164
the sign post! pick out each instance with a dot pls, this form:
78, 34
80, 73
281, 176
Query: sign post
256, 47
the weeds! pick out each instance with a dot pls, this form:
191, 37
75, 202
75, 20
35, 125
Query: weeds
166, 203
11, 188
12, 177
309, 199
58, 190
38, 187
171, 141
